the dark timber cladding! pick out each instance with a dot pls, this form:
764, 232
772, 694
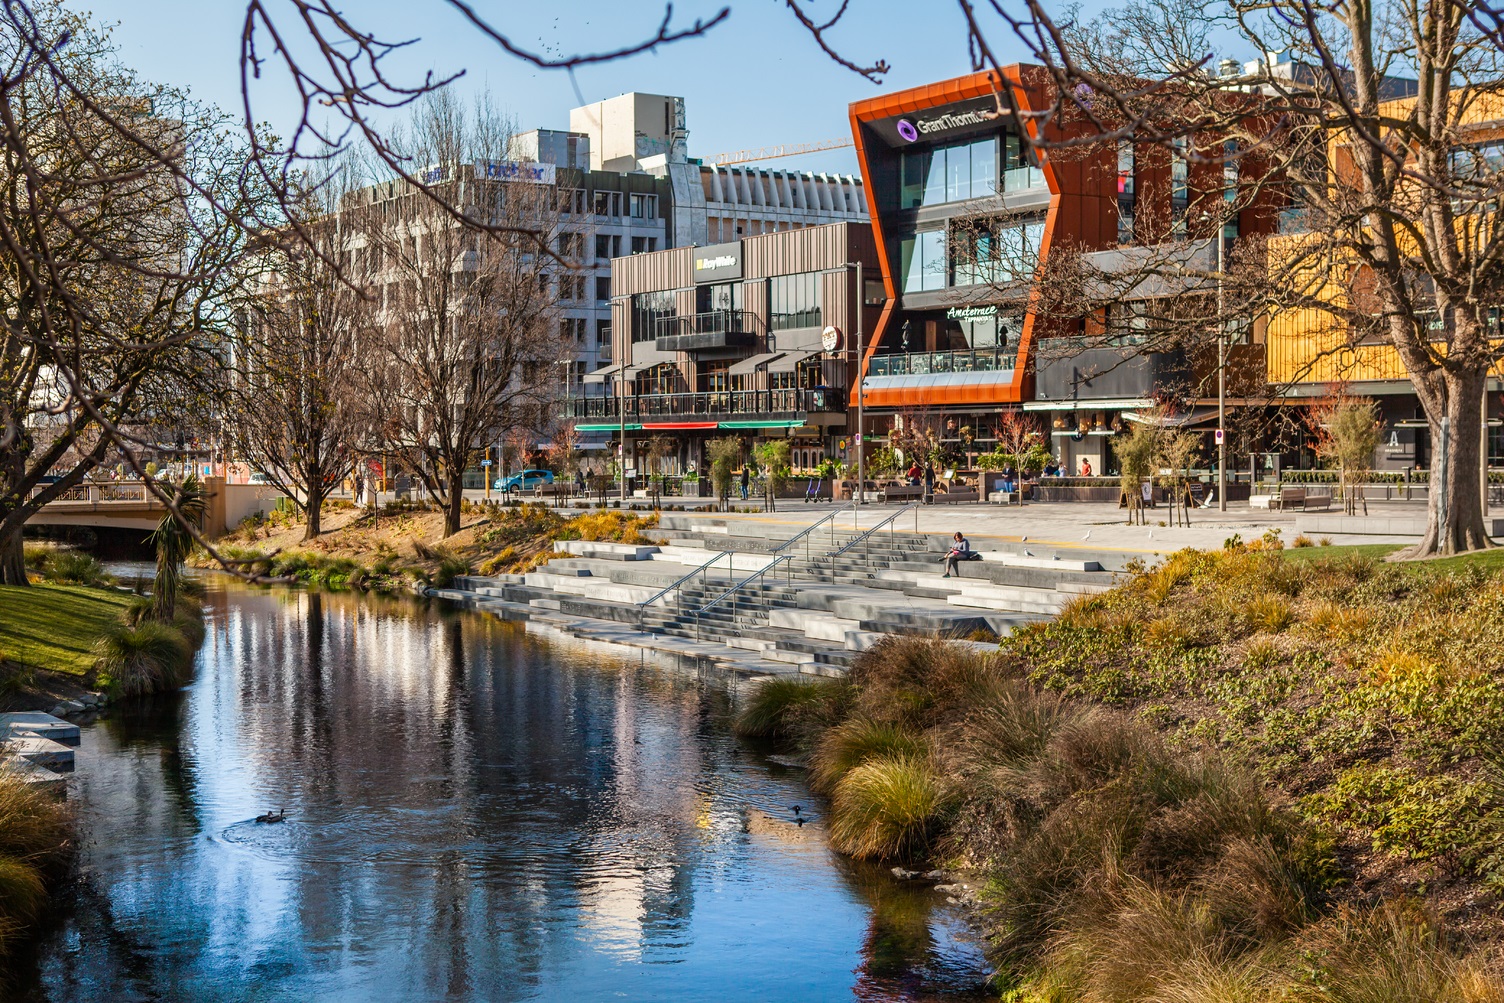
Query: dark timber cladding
754, 337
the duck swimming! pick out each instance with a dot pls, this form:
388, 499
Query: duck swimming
273, 816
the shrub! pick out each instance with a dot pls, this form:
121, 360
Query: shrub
1302, 541
146, 658
852, 743
35, 555
886, 807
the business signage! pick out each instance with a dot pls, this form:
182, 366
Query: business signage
830, 338
433, 175
970, 312
716, 262
939, 123
516, 170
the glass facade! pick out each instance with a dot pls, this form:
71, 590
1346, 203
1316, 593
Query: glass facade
651, 313
721, 296
922, 261
794, 301
929, 261
951, 173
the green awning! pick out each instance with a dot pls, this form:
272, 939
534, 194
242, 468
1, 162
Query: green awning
761, 424
613, 427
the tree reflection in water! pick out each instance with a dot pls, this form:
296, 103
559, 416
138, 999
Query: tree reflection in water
474, 814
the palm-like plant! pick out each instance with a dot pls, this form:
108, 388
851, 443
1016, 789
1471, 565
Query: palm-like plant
173, 543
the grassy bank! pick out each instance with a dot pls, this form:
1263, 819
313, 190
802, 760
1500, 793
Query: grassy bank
70, 621
407, 551
36, 846
1237, 777
55, 627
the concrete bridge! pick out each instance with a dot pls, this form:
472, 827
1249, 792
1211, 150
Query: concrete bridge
129, 505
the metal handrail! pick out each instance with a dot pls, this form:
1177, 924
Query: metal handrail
642, 606
737, 587
795, 539
874, 529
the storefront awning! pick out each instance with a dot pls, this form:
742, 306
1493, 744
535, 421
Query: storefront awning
1195, 416
787, 362
762, 424
1105, 404
612, 372
609, 427
746, 367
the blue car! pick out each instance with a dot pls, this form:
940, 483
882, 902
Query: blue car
524, 481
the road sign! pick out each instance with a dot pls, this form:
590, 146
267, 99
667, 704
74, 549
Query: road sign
1220, 437
485, 463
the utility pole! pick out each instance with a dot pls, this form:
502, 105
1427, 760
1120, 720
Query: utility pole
1221, 372
861, 392
621, 380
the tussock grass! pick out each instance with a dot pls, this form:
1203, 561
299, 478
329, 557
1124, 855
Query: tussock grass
854, 742
35, 849
74, 567
791, 708
146, 658
887, 807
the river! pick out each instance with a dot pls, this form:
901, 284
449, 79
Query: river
475, 813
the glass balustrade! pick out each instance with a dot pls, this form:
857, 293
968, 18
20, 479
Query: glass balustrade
975, 360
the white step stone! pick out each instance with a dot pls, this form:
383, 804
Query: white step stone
1020, 561
1082, 588
589, 548
39, 725
696, 556
752, 643
43, 752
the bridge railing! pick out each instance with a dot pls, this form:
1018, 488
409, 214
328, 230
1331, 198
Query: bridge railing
100, 492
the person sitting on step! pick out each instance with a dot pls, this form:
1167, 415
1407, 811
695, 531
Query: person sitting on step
960, 550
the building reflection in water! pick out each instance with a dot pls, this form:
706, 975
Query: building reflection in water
475, 814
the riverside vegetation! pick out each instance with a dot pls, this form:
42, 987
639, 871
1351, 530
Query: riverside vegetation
404, 550
1236, 777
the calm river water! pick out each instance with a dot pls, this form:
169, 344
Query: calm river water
475, 813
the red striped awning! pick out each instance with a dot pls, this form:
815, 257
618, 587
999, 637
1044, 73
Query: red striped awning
677, 426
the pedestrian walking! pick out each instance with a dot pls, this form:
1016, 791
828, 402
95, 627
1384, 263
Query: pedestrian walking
746, 480
929, 483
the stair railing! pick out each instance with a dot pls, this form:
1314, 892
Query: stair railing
702, 570
866, 538
735, 590
807, 535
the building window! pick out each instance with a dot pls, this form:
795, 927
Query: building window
794, 301
996, 253
602, 246
572, 201
652, 314
607, 203
922, 261
718, 296
661, 379
951, 173
1180, 189
715, 377
642, 244
644, 206
1127, 188
602, 287
603, 332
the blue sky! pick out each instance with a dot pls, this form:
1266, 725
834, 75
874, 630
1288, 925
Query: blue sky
756, 80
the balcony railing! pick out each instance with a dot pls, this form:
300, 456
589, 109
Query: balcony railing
709, 322
975, 360
708, 405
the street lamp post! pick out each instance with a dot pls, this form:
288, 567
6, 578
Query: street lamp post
1221, 374
860, 495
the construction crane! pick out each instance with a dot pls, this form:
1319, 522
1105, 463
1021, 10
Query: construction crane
774, 152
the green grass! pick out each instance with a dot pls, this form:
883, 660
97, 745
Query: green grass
1486, 560
55, 626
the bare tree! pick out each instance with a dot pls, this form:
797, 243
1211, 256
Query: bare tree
294, 374
114, 278
466, 334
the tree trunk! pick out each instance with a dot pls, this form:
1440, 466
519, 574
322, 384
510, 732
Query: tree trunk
452, 510
12, 559
1454, 508
314, 511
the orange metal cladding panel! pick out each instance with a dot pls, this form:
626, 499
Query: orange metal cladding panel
918, 99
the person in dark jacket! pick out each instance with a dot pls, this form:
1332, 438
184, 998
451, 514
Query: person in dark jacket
746, 480
929, 483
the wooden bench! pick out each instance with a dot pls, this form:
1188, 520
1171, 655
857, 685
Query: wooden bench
956, 496
1290, 497
1316, 503
898, 491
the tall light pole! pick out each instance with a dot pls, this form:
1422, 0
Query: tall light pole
1221, 372
860, 496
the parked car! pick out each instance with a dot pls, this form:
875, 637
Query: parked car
524, 481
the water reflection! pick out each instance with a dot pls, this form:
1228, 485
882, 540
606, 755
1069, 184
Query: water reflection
473, 814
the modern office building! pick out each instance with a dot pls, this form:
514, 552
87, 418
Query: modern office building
965, 214
754, 337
